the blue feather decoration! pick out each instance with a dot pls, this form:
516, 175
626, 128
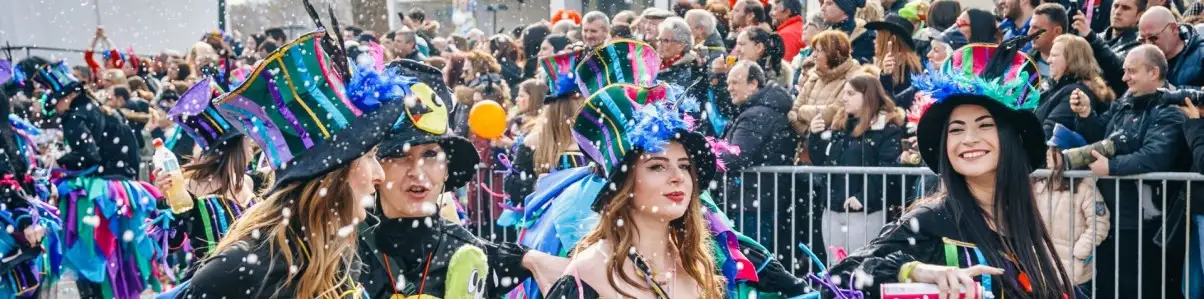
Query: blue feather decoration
653, 126
1065, 138
369, 88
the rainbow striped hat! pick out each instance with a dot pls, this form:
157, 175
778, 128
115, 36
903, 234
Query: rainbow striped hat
621, 61
195, 114
295, 106
561, 80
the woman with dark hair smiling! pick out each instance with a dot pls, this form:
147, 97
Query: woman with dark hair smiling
982, 232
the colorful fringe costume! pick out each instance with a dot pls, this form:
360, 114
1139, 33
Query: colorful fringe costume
29, 267
106, 212
105, 233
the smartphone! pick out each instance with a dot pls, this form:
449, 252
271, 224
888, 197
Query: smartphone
1073, 10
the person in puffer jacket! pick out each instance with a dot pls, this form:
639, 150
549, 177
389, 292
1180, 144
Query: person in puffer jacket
866, 131
1076, 217
818, 87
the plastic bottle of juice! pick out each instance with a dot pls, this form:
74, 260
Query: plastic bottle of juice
177, 195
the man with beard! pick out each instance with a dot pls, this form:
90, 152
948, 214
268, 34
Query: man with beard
1016, 14
745, 13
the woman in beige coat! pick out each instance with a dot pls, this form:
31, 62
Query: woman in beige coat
1077, 221
819, 88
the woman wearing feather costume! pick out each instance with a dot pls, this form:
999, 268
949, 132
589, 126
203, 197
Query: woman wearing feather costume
977, 233
621, 78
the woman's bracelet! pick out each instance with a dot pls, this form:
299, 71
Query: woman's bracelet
905, 270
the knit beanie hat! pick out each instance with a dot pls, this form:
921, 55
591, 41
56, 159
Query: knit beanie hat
850, 6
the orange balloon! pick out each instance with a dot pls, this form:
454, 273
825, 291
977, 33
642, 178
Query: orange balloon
487, 119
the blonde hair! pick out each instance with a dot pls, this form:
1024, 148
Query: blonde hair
321, 206
1082, 64
554, 132
687, 234
871, 12
115, 76
906, 59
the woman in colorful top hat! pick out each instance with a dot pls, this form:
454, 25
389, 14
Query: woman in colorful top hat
33, 238
978, 232
106, 208
217, 180
651, 237
409, 249
300, 240
557, 216
549, 147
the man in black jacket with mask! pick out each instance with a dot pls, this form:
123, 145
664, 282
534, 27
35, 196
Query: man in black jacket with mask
1147, 137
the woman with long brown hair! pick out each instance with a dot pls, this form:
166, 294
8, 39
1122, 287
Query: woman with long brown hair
864, 132
651, 239
217, 179
300, 240
549, 145
896, 55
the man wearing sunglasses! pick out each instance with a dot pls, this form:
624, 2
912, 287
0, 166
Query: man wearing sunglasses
1182, 46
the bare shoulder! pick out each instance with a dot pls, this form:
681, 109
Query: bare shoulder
589, 265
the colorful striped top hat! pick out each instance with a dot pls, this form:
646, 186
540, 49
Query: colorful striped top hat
621, 121
561, 80
195, 114
58, 79
999, 78
295, 106
425, 120
621, 61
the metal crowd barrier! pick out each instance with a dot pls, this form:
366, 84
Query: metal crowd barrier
783, 206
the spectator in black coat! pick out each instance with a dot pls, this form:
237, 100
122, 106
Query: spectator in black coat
838, 14
866, 131
1121, 35
1147, 137
1072, 69
765, 138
